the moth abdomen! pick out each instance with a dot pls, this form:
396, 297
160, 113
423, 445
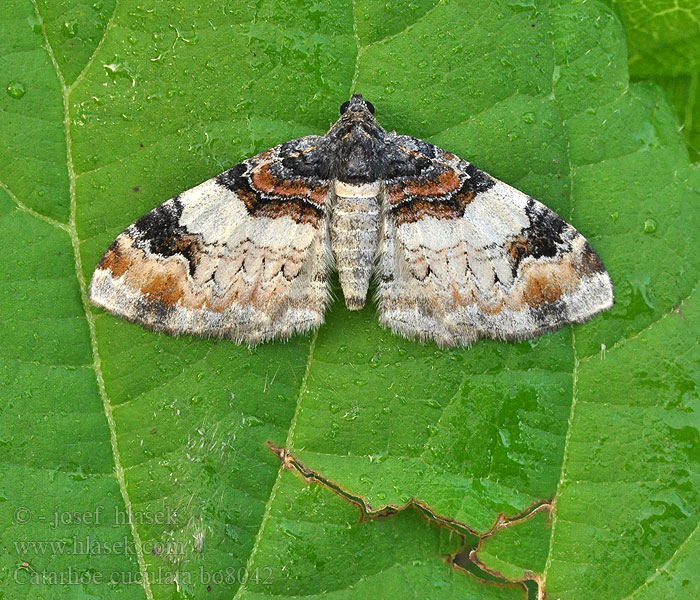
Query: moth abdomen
354, 238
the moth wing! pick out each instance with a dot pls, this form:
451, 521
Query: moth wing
462, 255
241, 256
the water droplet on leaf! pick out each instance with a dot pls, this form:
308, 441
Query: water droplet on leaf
35, 24
15, 89
116, 70
69, 29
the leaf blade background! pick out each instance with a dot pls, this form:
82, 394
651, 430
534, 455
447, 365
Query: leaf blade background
491, 427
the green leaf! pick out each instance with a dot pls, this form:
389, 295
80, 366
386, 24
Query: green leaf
662, 42
119, 435
516, 549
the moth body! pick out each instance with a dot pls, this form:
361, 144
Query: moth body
354, 238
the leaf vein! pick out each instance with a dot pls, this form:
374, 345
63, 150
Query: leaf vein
75, 242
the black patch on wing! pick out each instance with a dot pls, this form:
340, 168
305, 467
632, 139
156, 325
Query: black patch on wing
235, 179
297, 161
156, 229
479, 181
160, 232
549, 314
303, 158
590, 261
400, 164
543, 238
152, 315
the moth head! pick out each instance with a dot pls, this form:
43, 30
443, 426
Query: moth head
356, 103
356, 113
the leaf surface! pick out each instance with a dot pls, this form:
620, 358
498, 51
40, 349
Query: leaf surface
130, 104
663, 44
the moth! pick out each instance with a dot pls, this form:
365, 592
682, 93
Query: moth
456, 254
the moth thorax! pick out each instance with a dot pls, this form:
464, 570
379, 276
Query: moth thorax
358, 153
354, 238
